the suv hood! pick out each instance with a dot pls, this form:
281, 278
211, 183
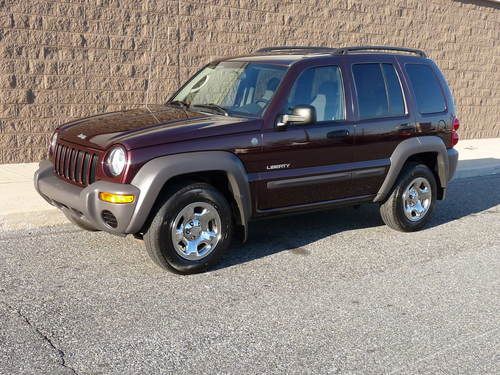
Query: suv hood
150, 126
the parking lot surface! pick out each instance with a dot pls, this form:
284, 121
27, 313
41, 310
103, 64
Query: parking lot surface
330, 292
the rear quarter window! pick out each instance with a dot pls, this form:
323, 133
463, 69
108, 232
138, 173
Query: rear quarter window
426, 87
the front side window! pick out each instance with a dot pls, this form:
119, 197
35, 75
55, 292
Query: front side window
321, 88
378, 90
426, 87
239, 88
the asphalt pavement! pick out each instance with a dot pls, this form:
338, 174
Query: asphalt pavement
330, 292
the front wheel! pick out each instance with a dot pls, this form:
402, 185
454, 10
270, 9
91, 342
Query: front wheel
412, 200
191, 229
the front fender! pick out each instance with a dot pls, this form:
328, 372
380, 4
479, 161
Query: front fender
154, 174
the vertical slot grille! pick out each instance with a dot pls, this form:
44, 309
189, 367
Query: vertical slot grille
86, 168
93, 166
75, 165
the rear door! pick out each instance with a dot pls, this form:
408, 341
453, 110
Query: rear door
382, 118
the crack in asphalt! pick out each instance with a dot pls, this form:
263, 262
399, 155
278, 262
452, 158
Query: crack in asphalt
44, 337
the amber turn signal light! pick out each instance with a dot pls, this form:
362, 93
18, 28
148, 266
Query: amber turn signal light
116, 198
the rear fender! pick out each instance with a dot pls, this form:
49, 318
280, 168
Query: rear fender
408, 148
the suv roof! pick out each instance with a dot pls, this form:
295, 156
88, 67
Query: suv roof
287, 55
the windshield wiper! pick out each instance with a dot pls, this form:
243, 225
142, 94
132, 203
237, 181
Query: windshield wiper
179, 103
213, 106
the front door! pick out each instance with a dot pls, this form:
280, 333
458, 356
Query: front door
309, 164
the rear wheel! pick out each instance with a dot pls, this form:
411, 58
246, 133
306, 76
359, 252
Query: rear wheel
410, 205
191, 229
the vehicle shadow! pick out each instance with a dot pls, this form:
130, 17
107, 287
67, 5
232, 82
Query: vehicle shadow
465, 197
470, 166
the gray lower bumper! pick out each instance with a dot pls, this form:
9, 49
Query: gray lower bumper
84, 203
452, 162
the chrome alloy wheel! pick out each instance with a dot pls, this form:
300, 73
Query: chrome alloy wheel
196, 230
417, 199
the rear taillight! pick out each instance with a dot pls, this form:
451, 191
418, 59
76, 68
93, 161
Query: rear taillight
454, 133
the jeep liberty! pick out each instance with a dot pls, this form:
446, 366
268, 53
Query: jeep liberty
283, 130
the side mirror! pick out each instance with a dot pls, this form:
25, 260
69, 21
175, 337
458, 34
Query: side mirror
301, 114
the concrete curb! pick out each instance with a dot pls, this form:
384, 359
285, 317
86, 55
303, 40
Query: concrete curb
478, 157
22, 208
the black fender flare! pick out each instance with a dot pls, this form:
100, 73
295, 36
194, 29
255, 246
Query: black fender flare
153, 176
408, 148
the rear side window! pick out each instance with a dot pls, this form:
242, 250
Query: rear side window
426, 87
378, 90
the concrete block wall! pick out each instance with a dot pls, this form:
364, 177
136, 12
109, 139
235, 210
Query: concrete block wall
67, 59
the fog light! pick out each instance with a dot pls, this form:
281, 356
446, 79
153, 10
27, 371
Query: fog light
116, 198
109, 219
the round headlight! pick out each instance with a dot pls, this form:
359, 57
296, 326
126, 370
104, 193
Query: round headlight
116, 161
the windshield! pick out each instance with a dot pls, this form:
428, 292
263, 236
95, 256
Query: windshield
234, 88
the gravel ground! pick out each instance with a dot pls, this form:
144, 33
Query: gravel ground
330, 292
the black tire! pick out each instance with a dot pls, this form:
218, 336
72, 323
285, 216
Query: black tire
158, 237
393, 211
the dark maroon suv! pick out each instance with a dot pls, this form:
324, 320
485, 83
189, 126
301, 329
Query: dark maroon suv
283, 130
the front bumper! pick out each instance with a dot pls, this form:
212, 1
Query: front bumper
84, 203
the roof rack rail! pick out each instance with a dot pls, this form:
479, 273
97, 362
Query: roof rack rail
346, 50
295, 48
341, 50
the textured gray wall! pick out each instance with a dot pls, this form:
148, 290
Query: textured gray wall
66, 59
